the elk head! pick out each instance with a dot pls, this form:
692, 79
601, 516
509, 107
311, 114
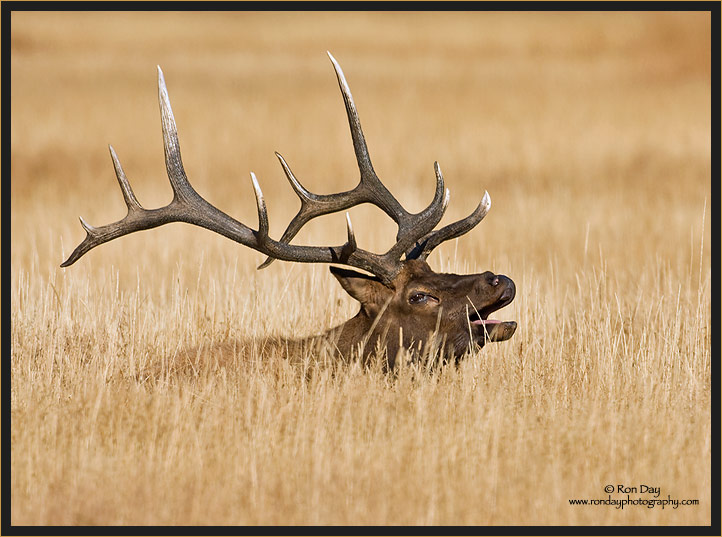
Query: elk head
420, 307
403, 301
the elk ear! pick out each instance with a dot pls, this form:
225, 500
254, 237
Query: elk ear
366, 289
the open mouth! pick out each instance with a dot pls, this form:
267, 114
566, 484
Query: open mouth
481, 317
493, 329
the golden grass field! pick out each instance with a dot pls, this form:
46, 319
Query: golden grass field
591, 133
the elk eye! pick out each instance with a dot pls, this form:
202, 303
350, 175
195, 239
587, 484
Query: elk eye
420, 298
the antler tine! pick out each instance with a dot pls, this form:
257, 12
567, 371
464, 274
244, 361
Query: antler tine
130, 200
262, 232
350, 233
350, 246
431, 240
171, 147
359, 142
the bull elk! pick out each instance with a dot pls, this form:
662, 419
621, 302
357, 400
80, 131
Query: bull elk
404, 303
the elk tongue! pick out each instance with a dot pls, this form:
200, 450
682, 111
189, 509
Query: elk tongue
485, 321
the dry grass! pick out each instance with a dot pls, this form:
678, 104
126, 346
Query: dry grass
590, 131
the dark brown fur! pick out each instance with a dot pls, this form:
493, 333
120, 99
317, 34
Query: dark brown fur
392, 317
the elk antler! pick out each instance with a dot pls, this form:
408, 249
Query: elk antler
415, 237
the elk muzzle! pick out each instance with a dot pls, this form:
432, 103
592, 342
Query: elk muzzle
499, 291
